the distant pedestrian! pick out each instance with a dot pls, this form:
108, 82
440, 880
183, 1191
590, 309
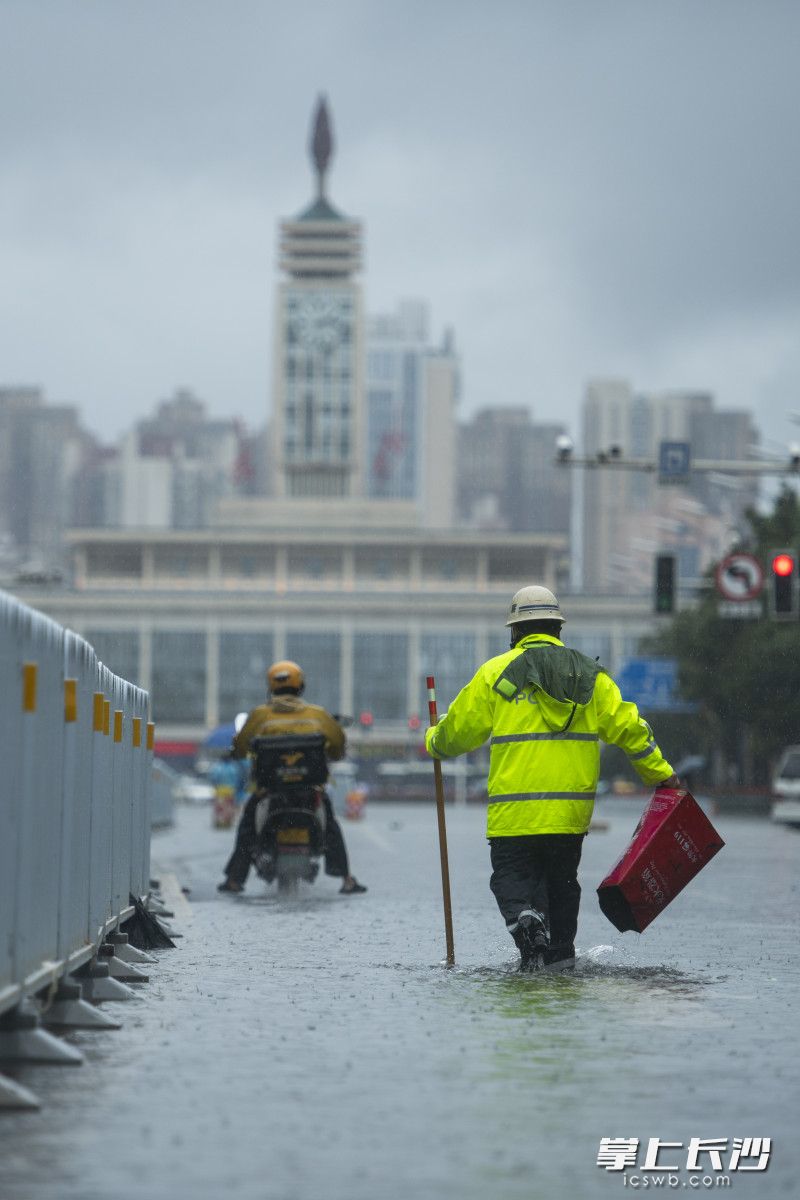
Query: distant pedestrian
545, 708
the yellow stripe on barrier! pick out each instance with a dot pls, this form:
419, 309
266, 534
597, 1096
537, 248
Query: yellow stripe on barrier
70, 700
98, 712
29, 674
151, 735
117, 724
106, 716
137, 731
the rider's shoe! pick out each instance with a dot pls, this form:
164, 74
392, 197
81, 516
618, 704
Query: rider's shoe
230, 885
351, 887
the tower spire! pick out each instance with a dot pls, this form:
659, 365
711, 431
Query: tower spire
321, 144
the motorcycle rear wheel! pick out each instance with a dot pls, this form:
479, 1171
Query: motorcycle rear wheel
288, 885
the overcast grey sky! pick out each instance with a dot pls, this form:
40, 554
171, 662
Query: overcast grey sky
578, 187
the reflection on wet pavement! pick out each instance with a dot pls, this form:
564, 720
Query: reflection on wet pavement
318, 1046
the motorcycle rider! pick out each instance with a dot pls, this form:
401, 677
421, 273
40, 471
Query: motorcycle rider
287, 713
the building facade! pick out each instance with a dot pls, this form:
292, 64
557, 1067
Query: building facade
197, 617
412, 391
507, 476
318, 358
628, 517
172, 469
43, 454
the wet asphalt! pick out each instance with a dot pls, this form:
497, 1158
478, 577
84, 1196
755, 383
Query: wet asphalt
318, 1047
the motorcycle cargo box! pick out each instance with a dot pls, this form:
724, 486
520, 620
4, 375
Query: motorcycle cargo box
672, 842
294, 760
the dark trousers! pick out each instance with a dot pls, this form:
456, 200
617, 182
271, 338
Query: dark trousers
240, 861
539, 872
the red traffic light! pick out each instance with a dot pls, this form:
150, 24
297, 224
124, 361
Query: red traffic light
414, 722
366, 719
783, 565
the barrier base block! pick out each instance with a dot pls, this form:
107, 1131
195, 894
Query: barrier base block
22, 1039
128, 953
98, 986
125, 972
14, 1095
73, 1012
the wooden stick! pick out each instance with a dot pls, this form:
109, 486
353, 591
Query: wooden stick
437, 776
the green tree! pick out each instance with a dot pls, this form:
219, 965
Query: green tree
744, 674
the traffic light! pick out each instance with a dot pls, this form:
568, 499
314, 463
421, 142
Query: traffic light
366, 720
783, 592
666, 578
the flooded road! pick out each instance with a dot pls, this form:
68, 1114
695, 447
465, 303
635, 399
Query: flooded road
294, 1050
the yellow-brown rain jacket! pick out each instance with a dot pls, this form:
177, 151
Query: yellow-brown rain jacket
290, 714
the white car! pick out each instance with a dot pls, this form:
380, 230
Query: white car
786, 788
185, 789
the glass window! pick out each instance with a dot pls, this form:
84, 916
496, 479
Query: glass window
243, 662
689, 562
381, 365
180, 561
179, 676
117, 649
450, 658
381, 670
114, 561
595, 645
498, 642
319, 654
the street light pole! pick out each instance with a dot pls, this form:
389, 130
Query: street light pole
704, 466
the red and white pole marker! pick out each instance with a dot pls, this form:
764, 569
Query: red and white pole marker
437, 776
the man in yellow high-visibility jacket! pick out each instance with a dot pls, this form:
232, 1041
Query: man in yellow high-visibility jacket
545, 708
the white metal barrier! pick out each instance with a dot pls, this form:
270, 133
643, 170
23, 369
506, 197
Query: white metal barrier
75, 767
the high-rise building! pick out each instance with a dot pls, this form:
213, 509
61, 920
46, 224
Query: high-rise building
42, 451
627, 516
507, 475
412, 390
318, 387
173, 468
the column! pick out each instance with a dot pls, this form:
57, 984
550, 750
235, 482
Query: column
348, 568
148, 566
281, 568
146, 656
212, 674
413, 697
482, 570
346, 696
215, 566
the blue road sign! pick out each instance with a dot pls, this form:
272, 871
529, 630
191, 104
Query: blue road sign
652, 685
674, 461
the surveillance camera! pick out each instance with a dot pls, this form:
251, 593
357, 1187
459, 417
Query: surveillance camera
564, 447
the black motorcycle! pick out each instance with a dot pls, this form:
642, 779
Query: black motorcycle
290, 771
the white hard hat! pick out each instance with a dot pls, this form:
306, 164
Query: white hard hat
534, 603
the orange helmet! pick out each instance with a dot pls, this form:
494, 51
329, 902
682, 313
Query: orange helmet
285, 674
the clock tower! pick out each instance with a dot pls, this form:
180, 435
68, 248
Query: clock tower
318, 371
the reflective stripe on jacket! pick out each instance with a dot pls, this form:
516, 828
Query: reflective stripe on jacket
543, 776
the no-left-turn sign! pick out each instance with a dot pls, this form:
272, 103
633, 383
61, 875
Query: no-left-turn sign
740, 577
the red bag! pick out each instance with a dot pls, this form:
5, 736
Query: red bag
672, 842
